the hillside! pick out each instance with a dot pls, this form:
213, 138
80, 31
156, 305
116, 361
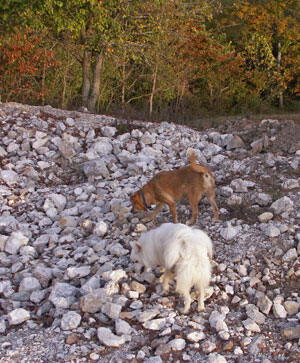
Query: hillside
68, 290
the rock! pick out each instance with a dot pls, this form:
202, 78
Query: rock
95, 167
272, 231
29, 284
291, 333
260, 144
111, 310
18, 316
229, 232
283, 205
102, 146
265, 217
264, 304
115, 275
254, 314
155, 324
62, 295
291, 184
263, 199
10, 177
15, 242
208, 346
177, 344
250, 325
109, 339
78, 272
122, 327
290, 255
234, 142
291, 307
216, 358
70, 320
279, 310
216, 321
195, 336
147, 315
100, 229
108, 131
92, 302
241, 186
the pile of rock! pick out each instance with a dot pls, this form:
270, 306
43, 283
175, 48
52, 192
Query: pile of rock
66, 227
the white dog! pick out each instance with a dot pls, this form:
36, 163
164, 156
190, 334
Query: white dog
183, 252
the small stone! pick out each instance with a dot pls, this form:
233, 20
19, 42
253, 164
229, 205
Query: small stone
264, 304
279, 311
94, 356
272, 231
250, 325
208, 346
70, 320
109, 339
147, 315
254, 314
100, 229
115, 275
155, 324
137, 286
283, 205
15, 242
291, 333
216, 358
291, 307
177, 344
265, 217
229, 232
290, 255
195, 336
122, 327
111, 310
217, 322
29, 284
72, 339
18, 316
92, 302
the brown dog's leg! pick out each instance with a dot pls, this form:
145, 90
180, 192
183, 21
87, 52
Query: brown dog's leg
212, 200
194, 199
154, 213
172, 207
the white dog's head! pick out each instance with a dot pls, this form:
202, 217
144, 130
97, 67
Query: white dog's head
136, 252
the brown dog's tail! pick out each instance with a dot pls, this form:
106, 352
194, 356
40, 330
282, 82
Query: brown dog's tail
209, 179
196, 167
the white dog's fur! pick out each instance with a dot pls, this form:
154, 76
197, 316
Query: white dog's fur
183, 252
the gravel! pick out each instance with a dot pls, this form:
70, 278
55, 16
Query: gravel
68, 290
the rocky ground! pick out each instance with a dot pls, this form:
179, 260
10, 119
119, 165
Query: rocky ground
68, 290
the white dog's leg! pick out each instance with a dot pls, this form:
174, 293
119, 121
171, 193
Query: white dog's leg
201, 293
166, 278
187, 301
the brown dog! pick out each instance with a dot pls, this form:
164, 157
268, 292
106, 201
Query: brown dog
169, 187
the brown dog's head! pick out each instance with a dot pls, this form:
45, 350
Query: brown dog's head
137, 202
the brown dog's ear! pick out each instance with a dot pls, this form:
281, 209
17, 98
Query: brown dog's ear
137, 202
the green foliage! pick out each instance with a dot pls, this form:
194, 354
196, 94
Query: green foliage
159, 58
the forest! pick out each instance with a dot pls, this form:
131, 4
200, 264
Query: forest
152, 59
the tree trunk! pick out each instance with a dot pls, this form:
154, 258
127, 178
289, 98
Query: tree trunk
153, 91
123, 90
280, 96
95, 90
86, 85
